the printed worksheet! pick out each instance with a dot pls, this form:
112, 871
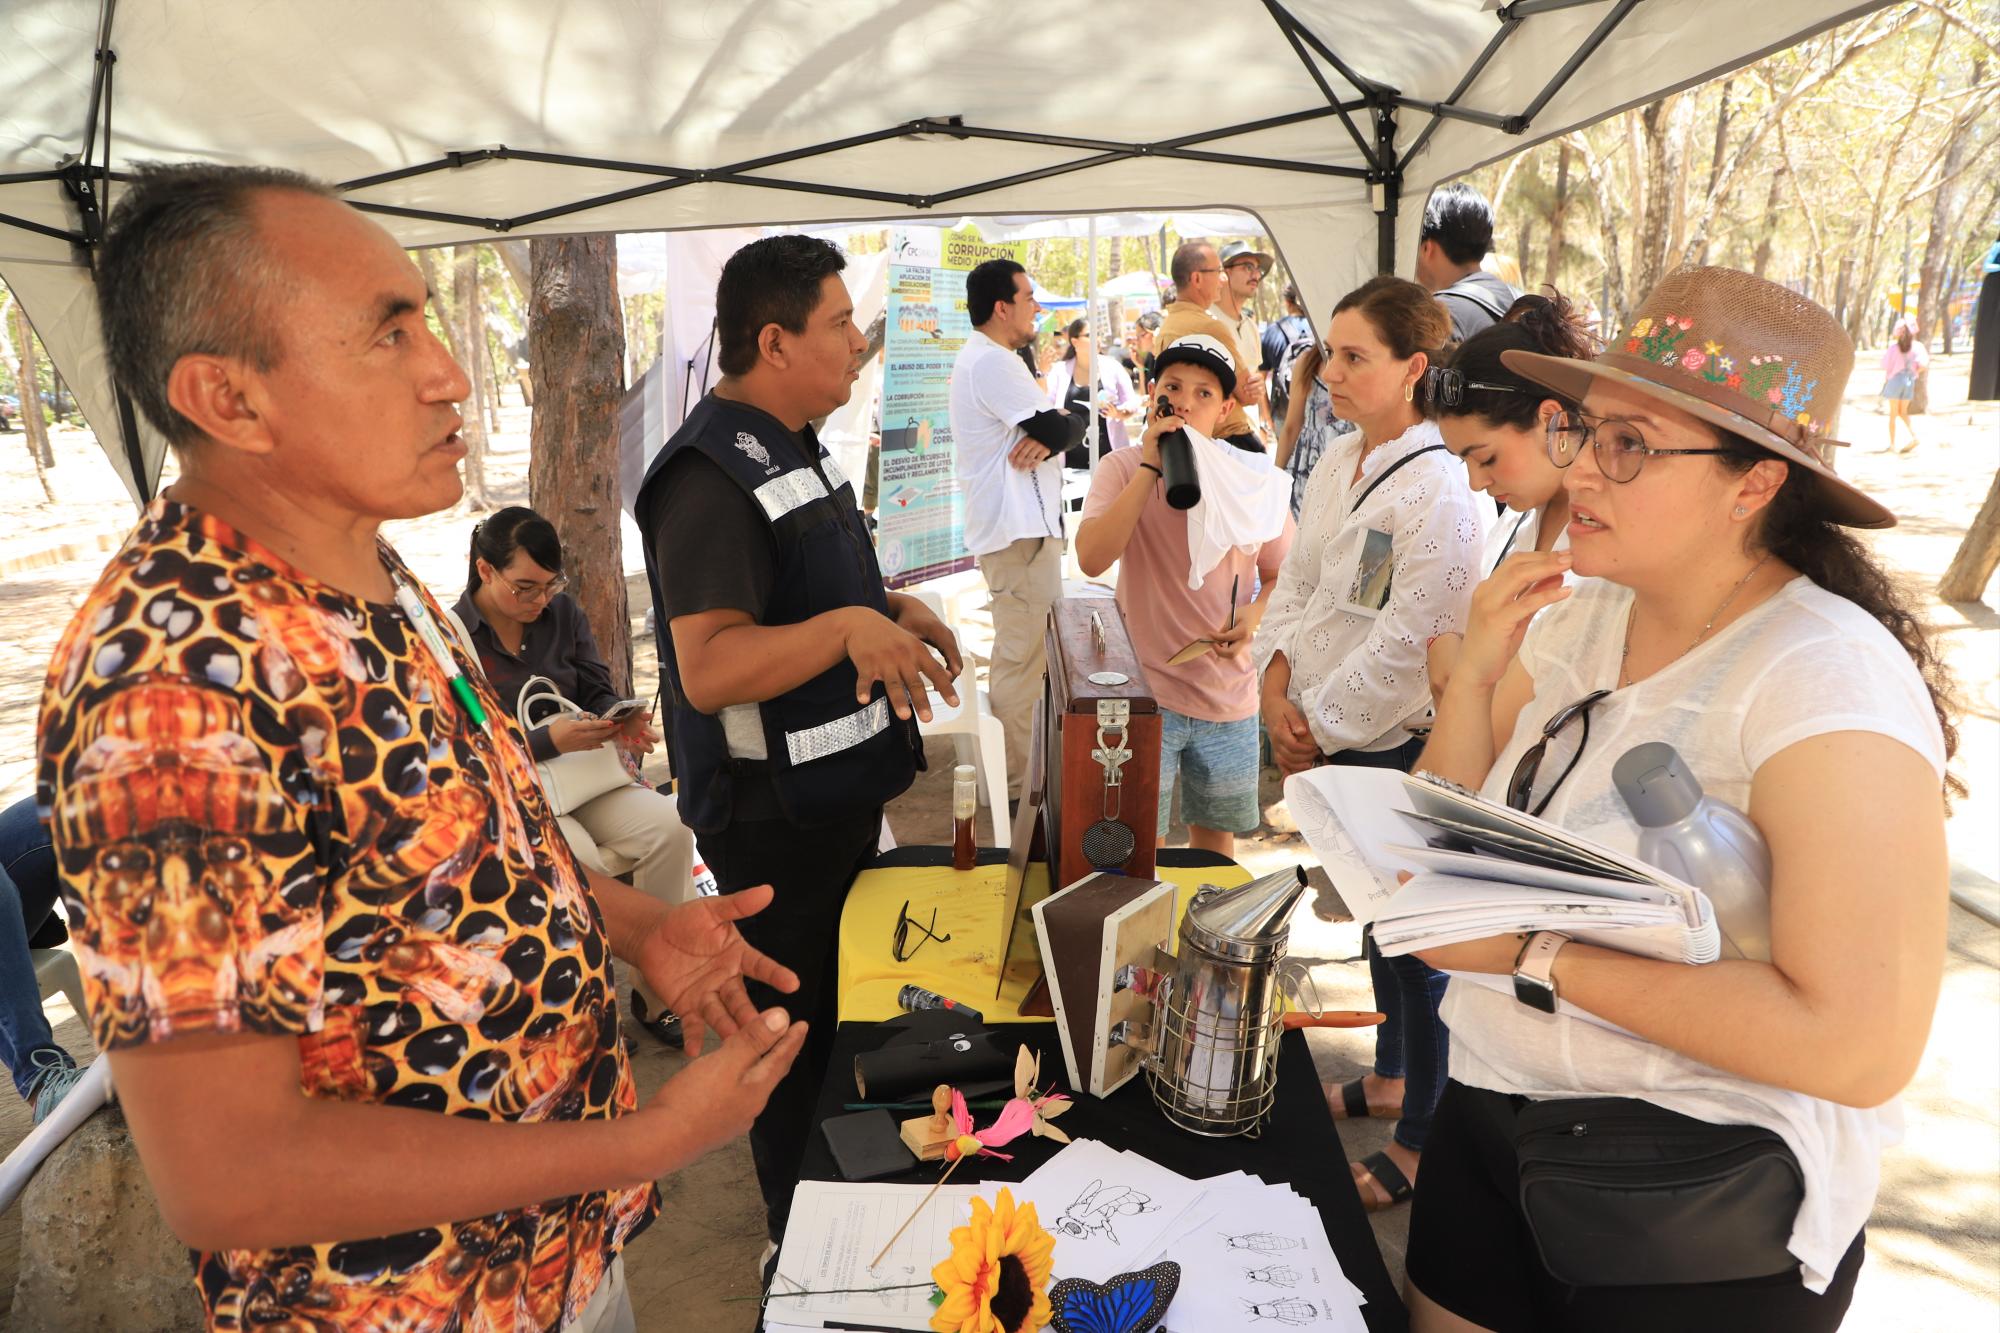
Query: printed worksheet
837, 1228
1258, 1258
1107, 1209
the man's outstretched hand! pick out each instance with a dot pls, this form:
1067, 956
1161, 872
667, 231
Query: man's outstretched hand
696, 962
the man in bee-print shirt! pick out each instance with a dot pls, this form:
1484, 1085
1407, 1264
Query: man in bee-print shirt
355, 989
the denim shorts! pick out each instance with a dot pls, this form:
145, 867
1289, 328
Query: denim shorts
1217, 766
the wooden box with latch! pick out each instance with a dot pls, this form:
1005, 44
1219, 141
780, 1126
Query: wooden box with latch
1102, 746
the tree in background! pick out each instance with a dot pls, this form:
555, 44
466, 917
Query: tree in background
1809, 168
34, 427
576, 354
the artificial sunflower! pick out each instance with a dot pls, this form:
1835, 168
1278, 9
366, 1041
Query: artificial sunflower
996, 1280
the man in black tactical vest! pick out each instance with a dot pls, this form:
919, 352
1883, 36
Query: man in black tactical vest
794, 678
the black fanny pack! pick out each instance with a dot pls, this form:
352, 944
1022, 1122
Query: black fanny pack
1621, 1193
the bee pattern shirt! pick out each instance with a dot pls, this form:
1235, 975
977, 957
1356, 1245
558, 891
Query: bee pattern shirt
271, 816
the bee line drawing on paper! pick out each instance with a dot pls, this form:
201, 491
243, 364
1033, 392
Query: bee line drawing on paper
1273, 1275
1264, 1242
1091, 1213
1287, 1310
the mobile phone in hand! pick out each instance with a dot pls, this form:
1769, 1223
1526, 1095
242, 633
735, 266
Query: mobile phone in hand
623, 709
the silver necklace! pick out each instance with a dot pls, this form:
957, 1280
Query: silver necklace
1624, 679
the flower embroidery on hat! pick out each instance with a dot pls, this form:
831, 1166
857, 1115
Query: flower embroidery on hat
1766, 378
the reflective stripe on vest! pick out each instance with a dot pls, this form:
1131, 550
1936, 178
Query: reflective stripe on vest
781, 495
834, 476
843, 733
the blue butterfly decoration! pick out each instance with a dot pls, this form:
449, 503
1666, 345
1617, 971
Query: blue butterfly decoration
1128, 1303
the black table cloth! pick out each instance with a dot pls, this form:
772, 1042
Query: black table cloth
1299, 1147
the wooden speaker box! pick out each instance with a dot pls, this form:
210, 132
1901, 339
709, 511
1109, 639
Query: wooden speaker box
1102, 746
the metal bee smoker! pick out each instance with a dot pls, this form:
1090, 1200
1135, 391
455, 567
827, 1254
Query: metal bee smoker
1211, 1051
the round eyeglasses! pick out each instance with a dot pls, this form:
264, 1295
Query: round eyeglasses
1620, 446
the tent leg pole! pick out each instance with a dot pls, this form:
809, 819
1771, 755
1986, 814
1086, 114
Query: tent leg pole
1391, 186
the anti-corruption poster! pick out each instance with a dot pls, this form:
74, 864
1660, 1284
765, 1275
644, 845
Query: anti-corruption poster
920, 531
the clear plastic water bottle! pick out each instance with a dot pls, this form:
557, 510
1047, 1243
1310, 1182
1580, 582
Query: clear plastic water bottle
1708, 843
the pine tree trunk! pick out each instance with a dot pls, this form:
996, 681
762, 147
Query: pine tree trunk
576, 351
1769, 230
27, 377
471, 340
1978, 555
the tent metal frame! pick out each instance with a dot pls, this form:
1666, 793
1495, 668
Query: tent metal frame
86, 179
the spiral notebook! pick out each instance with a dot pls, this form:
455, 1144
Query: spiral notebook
1478, 869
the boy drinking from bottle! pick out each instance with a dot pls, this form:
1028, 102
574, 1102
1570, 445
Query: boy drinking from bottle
1192, 586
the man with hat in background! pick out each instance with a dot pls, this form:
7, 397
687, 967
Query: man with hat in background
1242, 269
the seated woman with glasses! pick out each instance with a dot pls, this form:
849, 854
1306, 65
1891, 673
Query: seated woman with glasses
1734, 616
522, 624
1495, 420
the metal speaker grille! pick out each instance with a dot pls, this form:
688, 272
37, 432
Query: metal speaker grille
1108, 845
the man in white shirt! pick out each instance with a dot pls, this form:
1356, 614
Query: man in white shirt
1242, 269
1008, 439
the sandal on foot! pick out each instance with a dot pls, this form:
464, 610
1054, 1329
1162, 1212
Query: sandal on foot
1354, 1103
1389, 1177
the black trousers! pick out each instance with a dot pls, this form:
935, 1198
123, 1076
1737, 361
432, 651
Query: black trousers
811, 870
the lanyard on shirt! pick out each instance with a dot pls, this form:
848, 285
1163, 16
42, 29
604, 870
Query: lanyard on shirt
433, 640
1512, 537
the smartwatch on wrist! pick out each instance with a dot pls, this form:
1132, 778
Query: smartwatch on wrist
1534, 982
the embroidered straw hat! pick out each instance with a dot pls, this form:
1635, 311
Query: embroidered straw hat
1742, 354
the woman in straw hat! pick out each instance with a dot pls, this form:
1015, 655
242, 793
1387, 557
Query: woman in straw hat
1728, 612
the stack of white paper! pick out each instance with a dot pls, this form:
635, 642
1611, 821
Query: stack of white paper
1480, 869
1252, 1255
836, 1228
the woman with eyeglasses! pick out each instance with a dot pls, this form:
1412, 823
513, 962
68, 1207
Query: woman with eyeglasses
1495, 421
1732, 614
1386, 557
522, 624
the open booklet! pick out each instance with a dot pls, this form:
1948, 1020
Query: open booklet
1481, 869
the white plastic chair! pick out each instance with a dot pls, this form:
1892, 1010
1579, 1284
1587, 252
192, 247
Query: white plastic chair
56, 972
977, 736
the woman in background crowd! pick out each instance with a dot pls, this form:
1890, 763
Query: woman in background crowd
1069, 382
1731, 615
1903, 360
1309, 423
522, 624
1386, 557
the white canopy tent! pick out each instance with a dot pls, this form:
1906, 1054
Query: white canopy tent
459, 120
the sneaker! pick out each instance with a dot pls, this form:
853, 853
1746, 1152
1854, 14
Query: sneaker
55, 1074
664, 1027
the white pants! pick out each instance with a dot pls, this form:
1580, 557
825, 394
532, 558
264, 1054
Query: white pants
610, 1307
638, 831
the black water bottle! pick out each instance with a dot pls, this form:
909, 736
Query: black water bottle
1177, 465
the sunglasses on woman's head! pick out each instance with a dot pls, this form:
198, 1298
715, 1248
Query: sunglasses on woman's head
1445, 387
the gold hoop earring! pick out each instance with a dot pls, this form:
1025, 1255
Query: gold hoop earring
1410, 392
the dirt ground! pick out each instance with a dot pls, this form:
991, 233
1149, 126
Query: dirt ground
1934, 1241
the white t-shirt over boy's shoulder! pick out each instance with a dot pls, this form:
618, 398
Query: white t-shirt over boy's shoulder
1804, 663
1361, 679
992, 393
